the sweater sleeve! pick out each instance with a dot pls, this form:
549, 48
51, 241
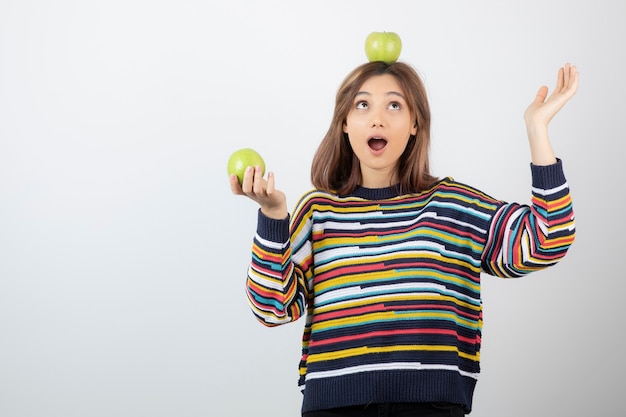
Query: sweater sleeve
276, 285
522, 238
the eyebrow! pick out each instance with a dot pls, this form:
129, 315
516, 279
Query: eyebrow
389, 93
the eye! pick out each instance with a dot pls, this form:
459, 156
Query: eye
361, 105
395, 105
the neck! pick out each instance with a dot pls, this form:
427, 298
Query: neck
377, 178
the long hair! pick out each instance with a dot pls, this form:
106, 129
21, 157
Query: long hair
336, 168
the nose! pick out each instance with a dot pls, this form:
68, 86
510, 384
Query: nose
377, 119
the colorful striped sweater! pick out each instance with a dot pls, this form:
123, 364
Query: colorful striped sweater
390, 284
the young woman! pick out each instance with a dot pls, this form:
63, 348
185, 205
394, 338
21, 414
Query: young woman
384, 259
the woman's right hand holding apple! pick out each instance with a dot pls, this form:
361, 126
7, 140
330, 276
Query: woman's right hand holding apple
273, 202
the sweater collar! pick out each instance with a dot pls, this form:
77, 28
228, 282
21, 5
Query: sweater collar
376, 193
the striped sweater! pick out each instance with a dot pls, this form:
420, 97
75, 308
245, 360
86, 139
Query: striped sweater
390, 284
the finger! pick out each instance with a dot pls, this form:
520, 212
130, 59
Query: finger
271, 183
235, 187
570, 83
259, 183
248, 178
541, 94
573, 78
566, 75
560, 80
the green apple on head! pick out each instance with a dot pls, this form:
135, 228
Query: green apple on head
383, 46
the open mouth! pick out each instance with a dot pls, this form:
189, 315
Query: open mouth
377, 143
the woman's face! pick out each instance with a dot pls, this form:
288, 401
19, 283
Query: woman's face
378, 127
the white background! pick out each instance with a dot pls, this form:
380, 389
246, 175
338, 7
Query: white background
123, 253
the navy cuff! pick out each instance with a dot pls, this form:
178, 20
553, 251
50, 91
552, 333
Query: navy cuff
546, 177
274, 230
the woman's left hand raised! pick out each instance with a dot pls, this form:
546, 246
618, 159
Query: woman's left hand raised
541, 111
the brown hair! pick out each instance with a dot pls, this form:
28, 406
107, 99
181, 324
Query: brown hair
335, 167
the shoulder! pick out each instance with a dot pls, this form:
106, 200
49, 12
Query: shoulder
451, 189
316, 197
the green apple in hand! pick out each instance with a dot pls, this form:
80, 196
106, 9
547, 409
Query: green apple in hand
383, 46
243, 158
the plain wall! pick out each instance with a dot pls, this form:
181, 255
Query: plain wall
123, 253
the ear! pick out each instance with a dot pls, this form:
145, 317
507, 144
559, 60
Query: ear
345, 127
414, 129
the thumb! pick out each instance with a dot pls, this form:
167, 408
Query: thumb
541, 94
